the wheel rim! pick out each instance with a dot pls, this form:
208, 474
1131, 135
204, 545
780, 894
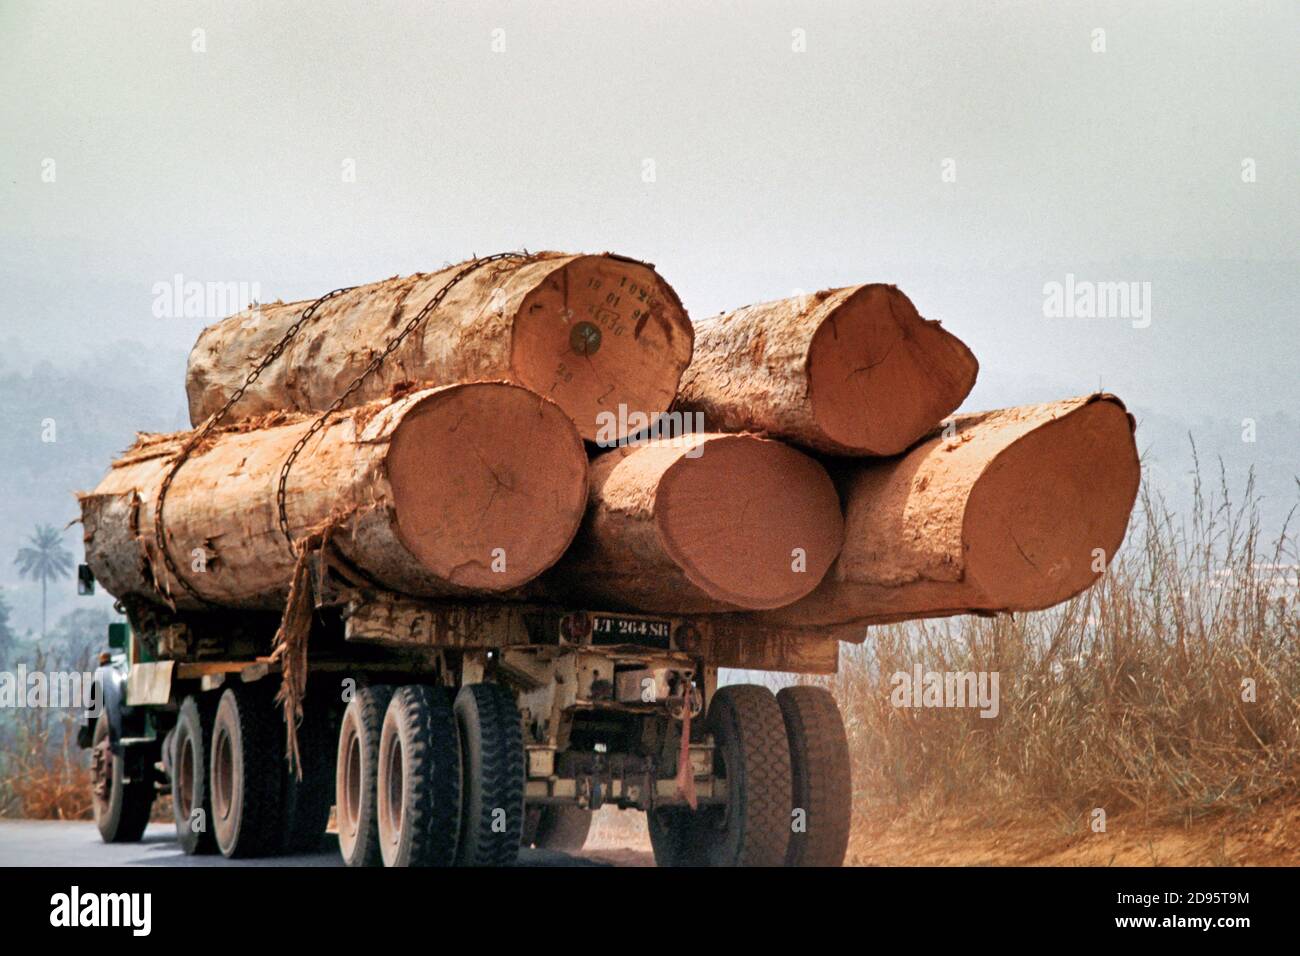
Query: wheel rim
391, 784
350, 779
223, 776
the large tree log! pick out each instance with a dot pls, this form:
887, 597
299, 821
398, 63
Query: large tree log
588, 332
851, 371
463, 489
705, 522
1015, 510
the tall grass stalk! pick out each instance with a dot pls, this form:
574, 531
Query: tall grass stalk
1136, 695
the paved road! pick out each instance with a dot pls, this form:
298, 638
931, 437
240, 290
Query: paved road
57, 843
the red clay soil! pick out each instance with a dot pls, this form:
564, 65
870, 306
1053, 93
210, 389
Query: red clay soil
1270, 836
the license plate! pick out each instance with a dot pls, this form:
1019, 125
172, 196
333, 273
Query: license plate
615, 629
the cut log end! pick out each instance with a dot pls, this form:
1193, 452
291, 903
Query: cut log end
601, 332
880, 376
489, 484
750, 522
1050, 511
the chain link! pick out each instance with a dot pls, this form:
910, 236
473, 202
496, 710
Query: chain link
393, 343
160, 537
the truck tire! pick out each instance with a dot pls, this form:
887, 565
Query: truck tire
820, 775
672, 832
191, 793
355, 775
121, 808
751, 751
419, 781
492, 750
557, 828
307, 801
245, 769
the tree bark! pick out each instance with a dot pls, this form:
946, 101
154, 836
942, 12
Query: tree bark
852, 371
588, 332
702, 523
457, 490
1014, 510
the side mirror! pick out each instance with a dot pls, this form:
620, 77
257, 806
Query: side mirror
85, 580
118, 635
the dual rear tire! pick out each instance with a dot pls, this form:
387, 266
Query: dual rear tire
425, 779
233, 791
752, 757
785, 764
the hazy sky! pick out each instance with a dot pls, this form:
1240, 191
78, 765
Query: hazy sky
794, 146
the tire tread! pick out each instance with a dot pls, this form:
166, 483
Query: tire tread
499, 782
433, 774
821, 775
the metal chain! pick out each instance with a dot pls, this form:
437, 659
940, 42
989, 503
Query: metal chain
160, 538
378, 360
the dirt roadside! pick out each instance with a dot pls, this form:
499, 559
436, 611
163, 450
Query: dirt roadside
1268, 837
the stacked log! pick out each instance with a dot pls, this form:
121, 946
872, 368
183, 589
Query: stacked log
1010, 510
424, 495
457, 467
590, 332
703, 523
852, 371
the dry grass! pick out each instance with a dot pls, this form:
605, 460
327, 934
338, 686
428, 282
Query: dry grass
1128, 698
46, 775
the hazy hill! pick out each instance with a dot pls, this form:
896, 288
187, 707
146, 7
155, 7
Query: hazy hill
92, 410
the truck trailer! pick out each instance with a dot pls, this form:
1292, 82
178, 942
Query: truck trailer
454, 733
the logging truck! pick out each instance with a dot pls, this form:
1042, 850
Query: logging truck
456, 733
420, 598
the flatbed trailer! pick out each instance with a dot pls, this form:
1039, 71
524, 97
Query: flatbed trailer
453, 733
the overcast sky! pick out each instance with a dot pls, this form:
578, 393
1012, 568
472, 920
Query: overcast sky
969, 151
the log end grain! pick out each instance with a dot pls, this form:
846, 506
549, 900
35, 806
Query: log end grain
750, 522
880, 376
1049, 512
598, 333
489, 484
1017, 510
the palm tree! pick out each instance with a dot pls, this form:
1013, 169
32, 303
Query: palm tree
45, 560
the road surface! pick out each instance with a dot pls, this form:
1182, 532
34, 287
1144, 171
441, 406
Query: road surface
63, 843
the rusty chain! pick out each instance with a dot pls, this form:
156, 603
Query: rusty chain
160, 538
393, 343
